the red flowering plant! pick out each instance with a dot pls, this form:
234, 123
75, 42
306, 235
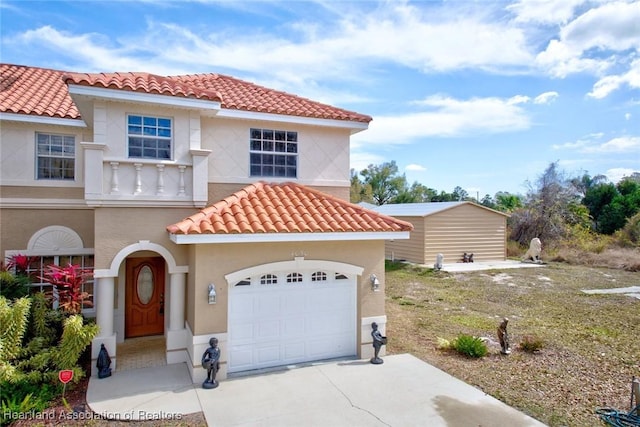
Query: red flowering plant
67, 284
20, 263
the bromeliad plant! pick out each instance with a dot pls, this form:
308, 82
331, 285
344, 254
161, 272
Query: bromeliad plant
67, 287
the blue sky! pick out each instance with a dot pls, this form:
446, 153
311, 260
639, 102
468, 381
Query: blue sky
478, 94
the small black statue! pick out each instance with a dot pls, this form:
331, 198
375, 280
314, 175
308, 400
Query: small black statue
104, 362
210, 362
378, 341
503, 337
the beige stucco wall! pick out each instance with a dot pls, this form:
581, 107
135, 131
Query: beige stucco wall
18, 225
214, 261
323, 153
116, 228
17, 162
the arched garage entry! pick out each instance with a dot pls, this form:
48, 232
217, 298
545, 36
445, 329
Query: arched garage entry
291, 312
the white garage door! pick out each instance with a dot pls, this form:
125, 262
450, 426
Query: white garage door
291, 317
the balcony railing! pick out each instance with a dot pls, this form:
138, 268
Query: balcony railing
149, 182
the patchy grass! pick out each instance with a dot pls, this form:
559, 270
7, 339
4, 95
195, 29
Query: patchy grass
591, 346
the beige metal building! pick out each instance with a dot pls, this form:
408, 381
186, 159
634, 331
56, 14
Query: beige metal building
448, 228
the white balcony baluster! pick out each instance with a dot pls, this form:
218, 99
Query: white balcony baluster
114, 177
181, 185
138, 167
160, 188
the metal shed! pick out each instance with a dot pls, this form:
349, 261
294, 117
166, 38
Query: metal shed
449, 228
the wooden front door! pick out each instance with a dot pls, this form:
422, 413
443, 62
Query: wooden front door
144, 297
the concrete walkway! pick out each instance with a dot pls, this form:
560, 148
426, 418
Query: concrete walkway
404, 391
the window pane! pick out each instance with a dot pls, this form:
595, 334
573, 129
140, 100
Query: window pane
256, 134
267, 134
135, 120
165, 123
267, 171
256, 145
292, 136
149, 131
164, 132
292, 148
267, 146
281, 147
150, 121
280, 135
280, 171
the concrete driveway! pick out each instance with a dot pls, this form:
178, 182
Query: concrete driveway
404, 391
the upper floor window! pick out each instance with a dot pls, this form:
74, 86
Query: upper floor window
273, 153
56, 156
149, 137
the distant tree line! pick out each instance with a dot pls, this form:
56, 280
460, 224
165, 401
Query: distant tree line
554, 206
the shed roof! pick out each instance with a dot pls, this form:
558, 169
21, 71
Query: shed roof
424, 209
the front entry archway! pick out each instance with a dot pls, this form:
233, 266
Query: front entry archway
144, 296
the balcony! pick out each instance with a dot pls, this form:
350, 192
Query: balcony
144, 182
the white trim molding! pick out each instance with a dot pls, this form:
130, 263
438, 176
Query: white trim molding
56, 121
142, 245
145, 98
299, 263
186, 239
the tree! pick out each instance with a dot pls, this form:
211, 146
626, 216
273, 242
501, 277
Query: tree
359, 192
506, 202
417, 193
384, 181
459, 194
548, 212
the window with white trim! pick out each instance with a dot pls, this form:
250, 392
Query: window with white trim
56, 156
273, 153
37, 267
149, 137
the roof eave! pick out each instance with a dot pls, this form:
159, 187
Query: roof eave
144, 98
188, 239
354, 126
45, 120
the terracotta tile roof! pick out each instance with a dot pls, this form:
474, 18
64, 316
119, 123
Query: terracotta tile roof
39, 91
285, 208
35, 91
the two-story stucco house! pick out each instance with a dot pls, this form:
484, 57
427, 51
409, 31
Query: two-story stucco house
206, 206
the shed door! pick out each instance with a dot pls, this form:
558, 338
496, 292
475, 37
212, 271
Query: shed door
291, 317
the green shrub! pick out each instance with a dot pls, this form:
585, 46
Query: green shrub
470, 346
13, 286
23, 397
531, 344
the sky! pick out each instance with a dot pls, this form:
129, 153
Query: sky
478, 94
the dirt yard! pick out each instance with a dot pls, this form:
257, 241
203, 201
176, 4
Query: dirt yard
591, 341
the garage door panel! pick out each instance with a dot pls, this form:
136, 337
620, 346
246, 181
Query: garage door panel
279, 324
294, 351
293, 327
268, 330
268, 354
267, 304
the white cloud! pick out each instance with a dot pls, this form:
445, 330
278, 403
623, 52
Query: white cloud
546, 97
544, 11
594, 144
627, 116
616, 174
415, 168
361, 160
594, 42
608, 84
444, 116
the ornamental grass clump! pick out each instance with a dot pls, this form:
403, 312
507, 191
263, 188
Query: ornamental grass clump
470, 346
531, 344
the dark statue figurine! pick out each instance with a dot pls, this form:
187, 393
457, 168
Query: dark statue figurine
104, 362
503, 337
211, 362
378, 341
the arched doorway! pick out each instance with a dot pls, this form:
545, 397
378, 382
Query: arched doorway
144, 296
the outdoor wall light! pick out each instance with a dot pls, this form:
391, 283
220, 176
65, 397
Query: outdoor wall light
212, 293
375, 283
